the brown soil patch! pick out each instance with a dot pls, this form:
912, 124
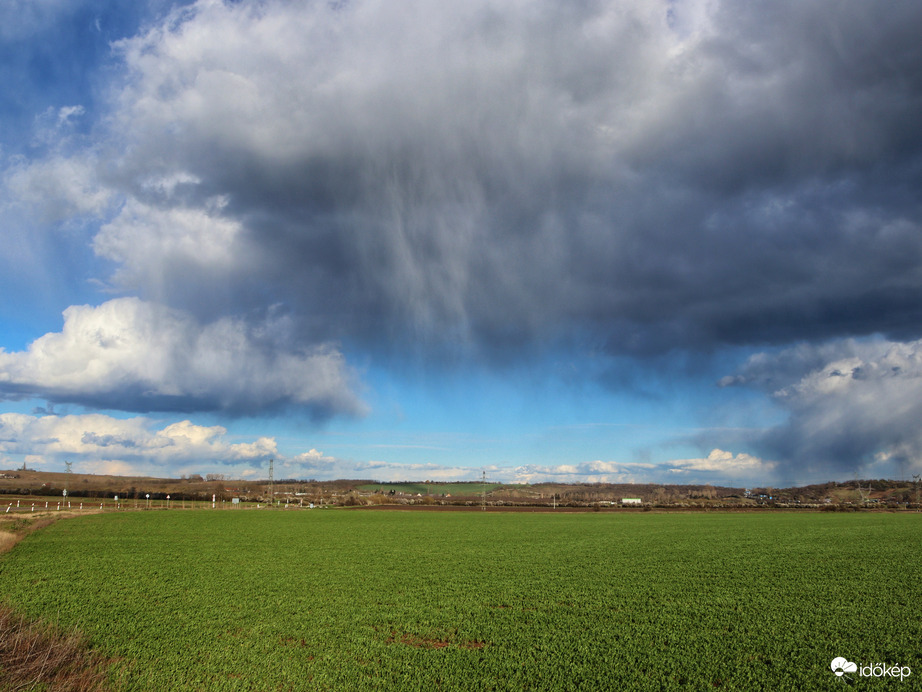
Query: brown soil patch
418, 642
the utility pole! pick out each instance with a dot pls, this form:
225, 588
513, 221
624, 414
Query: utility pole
483, 494
861, 493
916, 477
67, 465
271, 482
864, 495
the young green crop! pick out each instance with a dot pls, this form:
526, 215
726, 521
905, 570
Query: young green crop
358, 600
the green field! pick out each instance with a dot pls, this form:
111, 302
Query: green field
356, 600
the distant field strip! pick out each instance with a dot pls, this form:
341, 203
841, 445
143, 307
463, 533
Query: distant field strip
358, 600
435, 489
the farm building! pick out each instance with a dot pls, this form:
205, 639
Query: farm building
631, 501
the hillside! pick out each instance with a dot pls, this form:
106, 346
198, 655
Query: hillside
45, 484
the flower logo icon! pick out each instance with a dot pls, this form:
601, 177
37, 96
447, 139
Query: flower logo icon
840, 666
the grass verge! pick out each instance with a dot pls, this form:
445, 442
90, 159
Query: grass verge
35, 655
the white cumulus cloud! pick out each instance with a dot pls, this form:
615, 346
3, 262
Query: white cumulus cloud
854, 405
99, 443
727, 464
131, 355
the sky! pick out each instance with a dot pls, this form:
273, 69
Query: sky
595, 241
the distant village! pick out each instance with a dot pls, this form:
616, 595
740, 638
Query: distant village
850, 495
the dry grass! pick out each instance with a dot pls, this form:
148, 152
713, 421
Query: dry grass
34, 656
7, 540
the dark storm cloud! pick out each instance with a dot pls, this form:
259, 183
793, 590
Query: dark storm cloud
634, 177
505, 176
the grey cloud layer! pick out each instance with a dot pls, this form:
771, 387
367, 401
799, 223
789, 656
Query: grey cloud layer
716, 173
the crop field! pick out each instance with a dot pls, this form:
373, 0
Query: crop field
359, 600
434, 488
